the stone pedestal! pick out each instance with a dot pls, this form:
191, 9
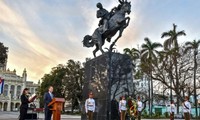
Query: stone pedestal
97, 79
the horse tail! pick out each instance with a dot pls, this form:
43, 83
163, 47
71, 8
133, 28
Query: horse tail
87, 41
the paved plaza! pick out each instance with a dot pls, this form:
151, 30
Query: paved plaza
14, 116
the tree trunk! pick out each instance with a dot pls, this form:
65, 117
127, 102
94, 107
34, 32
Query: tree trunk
195, 94
177, 81
149, 85
72, 109
151, 95
171, 79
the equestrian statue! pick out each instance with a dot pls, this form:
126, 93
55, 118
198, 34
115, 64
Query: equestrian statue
109, 24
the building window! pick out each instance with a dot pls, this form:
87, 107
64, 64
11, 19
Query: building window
32, 90
5, 91
19, 90
12, 90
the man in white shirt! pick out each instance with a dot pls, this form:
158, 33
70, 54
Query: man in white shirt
186, 108
122, 108
172, 110
90, 106
139, 109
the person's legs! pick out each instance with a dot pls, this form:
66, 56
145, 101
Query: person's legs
88, 115
46, 114
187, 116
49, 114
172, 115
23, 112
139, 115
91, 115
123, 115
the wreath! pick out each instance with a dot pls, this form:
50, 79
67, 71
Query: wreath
132, 108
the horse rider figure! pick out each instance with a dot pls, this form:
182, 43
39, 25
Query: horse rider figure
105, 16
110, 23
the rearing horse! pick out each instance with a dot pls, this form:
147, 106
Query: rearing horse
117, 22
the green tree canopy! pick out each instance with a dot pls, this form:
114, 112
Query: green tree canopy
3, 53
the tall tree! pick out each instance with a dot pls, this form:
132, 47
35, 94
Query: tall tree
67, 81
194, 47
74, 83
172, 43
149, 57
3, 53
55, 79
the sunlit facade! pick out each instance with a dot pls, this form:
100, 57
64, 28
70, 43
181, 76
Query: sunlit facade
13, 87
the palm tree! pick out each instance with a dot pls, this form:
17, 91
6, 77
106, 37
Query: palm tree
149, 56
172, 43
133, 53
194, 46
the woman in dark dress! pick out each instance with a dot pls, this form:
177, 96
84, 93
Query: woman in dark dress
24, 104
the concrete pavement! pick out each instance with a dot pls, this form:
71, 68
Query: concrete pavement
14, 116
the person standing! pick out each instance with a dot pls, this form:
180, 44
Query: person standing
186, 108
24, 104
139, 109
48, 96
172, 110
90, 106
122, 108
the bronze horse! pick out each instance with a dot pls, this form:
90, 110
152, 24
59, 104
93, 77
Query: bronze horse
117, 22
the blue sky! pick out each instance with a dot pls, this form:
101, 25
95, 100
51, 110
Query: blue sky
41, 34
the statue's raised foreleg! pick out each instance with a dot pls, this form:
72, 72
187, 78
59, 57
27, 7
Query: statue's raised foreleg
121, 30
127, 23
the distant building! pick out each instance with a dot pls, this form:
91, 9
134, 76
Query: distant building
13, 87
